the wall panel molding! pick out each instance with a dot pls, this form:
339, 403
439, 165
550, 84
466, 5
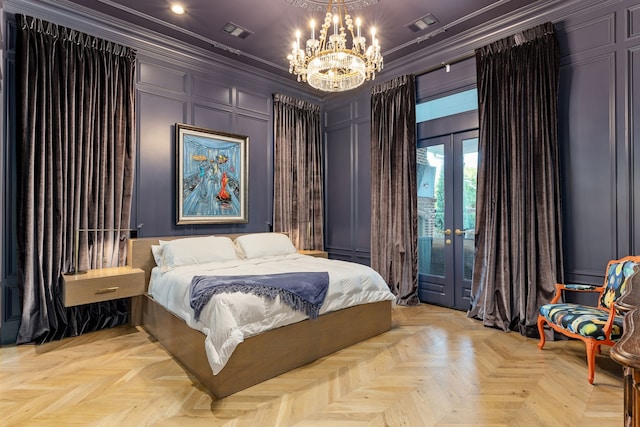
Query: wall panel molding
260, 202
339, 197
164, 78
337, 115
588, 157
155, 183
632, 23
209, 90
632, 121
362, 166
10, 300
251, 101
207, 116
348, 175
591, 35
211, 103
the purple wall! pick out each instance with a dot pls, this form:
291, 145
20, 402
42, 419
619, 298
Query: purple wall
169, 93
599, 103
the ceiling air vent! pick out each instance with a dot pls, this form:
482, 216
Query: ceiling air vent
422, 23
236, 30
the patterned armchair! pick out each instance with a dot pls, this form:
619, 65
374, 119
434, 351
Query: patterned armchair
596, 326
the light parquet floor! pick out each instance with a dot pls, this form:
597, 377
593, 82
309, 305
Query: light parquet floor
435, 367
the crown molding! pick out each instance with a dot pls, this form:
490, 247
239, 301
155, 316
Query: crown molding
147, 42
196, 36
464, 44
445, 27
163, 47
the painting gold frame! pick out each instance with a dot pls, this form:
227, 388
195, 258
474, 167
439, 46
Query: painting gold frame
212, 176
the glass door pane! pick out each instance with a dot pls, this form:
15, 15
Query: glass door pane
469, 180
431, 209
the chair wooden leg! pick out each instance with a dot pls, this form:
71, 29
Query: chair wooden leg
592, 347
541, 320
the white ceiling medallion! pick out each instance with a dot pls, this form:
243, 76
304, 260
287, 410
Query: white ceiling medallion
321, 5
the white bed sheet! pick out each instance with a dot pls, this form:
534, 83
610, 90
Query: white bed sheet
230, 318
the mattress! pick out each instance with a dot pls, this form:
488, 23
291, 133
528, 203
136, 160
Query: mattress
228, 319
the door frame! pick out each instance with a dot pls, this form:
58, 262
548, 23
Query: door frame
451, 290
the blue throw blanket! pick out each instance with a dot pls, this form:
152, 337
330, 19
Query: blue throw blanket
301, 291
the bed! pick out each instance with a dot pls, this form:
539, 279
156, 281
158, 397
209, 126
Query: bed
255, 355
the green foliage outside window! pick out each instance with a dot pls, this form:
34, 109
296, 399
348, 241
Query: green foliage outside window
469, 201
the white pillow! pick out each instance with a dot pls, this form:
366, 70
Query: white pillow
258, 245
196, 250
156, 250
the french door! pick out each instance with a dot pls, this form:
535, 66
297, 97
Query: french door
446, 168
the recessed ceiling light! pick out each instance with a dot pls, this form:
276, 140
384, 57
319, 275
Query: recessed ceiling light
177, 9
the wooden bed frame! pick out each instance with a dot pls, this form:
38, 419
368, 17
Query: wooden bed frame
260, 357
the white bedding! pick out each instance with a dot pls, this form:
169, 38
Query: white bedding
230, 318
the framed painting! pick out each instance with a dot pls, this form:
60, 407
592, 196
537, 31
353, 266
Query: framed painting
212, 176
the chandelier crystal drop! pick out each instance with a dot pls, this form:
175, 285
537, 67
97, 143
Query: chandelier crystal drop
326, 63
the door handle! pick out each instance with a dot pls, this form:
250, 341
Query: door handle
448, 231
460, 232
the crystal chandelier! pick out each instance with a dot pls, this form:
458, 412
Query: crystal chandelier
326, 63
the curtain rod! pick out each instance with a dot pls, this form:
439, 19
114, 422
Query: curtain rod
446, 63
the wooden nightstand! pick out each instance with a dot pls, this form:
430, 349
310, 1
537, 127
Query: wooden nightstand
103, 284
314, 253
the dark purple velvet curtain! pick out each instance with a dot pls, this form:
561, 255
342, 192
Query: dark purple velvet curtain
519, 215
394, 197
76, 155
298, 194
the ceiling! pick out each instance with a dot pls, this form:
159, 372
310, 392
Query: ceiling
272, 23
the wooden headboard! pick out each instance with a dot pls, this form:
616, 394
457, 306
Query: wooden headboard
139, 251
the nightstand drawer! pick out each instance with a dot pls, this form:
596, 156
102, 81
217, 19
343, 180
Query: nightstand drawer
102, 285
